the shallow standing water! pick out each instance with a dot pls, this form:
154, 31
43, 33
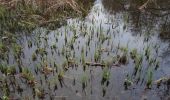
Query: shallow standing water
103, 37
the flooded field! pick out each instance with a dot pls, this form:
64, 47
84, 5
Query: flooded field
108, 55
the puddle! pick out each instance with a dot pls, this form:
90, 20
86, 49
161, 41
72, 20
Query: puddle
106, 56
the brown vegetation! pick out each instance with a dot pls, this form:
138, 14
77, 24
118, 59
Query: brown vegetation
30, 13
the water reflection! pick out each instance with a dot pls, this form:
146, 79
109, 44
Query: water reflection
156, 16
94, 58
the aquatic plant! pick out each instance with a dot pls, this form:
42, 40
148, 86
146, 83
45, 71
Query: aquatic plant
56, 67
17, 50
65, 65
84, 79
138, 63
3, 48
88, 41
41, 51
7, 70
11, 70
149, 78
72, 41
5, 97
53, 46
133, 53
63, 50
34, 57
5, 89
123, 58
103, 38
104, 91
29, 44
3, 68
47, 70
37, 68
83, 57
128, 82
40, 93
109, 62
147, 52
105, 76
157, 65
61, 78
65, 37
26, 74
97, 55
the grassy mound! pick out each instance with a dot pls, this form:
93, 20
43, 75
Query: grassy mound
17, 15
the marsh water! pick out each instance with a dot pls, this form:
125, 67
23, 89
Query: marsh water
78, 49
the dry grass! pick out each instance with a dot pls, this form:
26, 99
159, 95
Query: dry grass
18, 15
46, 5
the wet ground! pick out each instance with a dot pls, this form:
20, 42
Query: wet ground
109, 55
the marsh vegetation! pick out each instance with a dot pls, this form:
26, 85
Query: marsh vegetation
84, 49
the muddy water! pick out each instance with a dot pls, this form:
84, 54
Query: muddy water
100, 38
